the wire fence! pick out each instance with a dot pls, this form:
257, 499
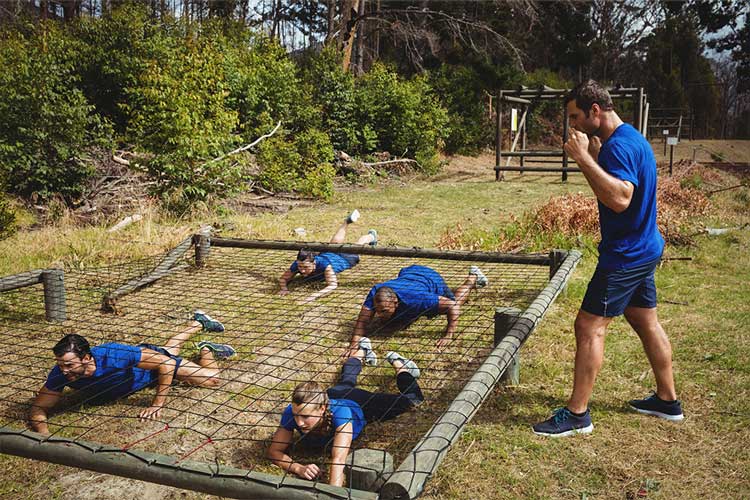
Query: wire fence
280, 342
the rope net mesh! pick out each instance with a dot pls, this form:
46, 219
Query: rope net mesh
280, 342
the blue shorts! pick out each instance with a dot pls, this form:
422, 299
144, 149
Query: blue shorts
161, 350
610, 292
351, 258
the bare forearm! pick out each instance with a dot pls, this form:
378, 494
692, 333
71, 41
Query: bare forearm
283, 460
166, 374
611, 191
38, 421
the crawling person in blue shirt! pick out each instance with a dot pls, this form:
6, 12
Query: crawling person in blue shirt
336, 417
111, 371
319, 266
417, 291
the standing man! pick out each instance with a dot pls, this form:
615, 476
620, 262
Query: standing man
620, 167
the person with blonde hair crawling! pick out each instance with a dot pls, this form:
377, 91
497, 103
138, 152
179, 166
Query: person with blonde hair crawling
313, 266
337, 416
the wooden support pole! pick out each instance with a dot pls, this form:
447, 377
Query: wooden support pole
164, 268
414, 252
499, 135
505, 319
565, 139
368, 469
54, 294
202, 243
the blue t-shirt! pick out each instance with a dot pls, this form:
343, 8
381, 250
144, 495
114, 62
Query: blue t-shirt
116, 375
630, 238
337, 262
343, 411
418, 289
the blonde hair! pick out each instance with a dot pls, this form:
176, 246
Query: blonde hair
310, 393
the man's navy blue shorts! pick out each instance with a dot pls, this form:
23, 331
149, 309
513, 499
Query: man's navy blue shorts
161, 350
610, 292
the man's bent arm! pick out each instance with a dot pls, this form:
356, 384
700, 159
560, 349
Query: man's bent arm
614, 193
284, 280
44, 401
332, 283
151, 360
364, 318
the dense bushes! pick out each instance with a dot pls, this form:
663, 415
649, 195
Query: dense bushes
181, 95
46, 122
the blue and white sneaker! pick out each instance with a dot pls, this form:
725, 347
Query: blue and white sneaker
370, 357
353, 217
374, 234
654, 405
221, 351
563, 423
482, 280
208, 323
410, 365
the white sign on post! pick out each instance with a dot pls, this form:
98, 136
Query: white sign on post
672, 141
665, 131
514, 120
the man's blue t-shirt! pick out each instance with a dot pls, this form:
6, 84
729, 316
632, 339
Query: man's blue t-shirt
630, 238
323, 260
418, 289
116, 374
343, 411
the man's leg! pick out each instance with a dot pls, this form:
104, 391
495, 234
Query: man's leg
657, 347
340, 234
590, 333
174, 345
462, 292
367, 239
205, 373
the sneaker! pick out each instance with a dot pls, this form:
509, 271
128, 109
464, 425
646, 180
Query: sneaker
654, 405
370, 357
374, 237
482, 280
563, 423
208, 323
353, 217
221, 351
410, 365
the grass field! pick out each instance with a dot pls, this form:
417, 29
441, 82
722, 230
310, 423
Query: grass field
704, 308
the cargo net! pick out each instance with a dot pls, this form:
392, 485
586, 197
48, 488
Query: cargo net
280, 343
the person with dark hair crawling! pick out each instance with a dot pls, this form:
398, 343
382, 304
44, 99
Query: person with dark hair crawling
111, 371
336, 417
620, 167
325, 266
417, 291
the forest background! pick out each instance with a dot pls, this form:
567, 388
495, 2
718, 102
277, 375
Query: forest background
173, 92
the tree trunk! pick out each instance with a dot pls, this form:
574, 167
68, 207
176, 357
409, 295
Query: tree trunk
360, 37
348, 29
331, 18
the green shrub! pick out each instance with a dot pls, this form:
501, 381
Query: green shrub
462, 92
177, 111
7, 218
404, 115
333, 93
46, 124
302, 165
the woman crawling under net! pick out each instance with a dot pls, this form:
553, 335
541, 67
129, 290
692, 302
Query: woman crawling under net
337, 416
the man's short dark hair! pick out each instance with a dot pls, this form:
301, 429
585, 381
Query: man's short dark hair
306, 254
385, 294
72, 343
585, 94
